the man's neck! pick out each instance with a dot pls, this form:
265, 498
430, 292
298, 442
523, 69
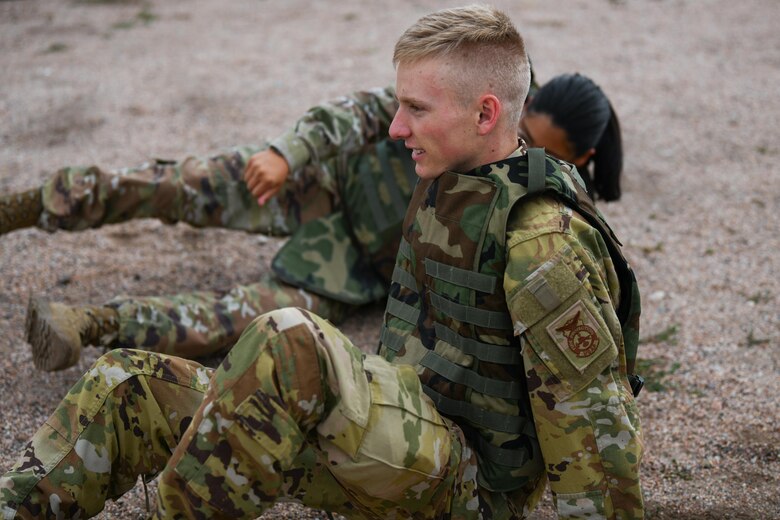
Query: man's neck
497, 149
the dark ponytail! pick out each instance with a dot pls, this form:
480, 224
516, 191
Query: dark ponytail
608, 160
579, 107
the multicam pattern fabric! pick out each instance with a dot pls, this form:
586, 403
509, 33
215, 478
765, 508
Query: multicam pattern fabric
293, 382
342, 172
121, 420
584, 412
203, 323
294, 411
203, 192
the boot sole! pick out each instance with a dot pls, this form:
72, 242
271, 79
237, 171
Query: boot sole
51, 350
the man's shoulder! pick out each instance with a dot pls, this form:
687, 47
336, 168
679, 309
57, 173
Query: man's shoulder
536, 216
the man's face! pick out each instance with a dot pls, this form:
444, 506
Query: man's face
433, 121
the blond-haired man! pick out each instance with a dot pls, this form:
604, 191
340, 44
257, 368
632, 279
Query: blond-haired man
502, 366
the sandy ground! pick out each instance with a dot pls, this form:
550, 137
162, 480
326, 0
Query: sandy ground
694, 82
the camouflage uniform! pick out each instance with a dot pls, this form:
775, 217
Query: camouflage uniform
342, 205
297, 411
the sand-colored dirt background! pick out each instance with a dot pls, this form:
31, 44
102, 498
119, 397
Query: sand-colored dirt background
695, 83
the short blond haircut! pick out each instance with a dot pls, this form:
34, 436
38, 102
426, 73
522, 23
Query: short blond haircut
486, 48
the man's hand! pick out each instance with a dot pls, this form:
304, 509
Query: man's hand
265, 173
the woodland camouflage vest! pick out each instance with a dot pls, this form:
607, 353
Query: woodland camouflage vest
447, 315
349, 255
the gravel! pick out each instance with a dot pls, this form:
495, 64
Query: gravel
695, 85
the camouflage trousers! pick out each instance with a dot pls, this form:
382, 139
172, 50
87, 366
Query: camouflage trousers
295, 411
204, 323
203, 192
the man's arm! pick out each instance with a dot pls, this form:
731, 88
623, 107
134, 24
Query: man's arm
560, 287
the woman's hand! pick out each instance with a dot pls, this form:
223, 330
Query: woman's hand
265, 174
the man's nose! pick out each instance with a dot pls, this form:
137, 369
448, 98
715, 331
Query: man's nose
398, 129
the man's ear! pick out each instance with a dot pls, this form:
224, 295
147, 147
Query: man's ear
489, 111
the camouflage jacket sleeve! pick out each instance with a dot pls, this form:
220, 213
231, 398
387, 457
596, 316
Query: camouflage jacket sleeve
560, 286
345, 124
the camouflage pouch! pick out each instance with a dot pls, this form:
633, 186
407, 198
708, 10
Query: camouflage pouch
321, 257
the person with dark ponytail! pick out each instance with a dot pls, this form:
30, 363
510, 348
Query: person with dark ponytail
573, 120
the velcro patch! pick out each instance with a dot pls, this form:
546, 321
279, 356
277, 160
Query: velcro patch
575, 333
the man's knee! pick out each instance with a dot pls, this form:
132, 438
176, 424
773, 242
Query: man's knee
288, 335
118, 365
124, 358
278, 320
293, 334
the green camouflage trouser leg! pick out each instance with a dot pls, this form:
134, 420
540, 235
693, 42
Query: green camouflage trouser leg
293, 383
203, 192
207, 322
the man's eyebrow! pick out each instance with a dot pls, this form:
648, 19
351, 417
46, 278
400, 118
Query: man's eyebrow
410, 101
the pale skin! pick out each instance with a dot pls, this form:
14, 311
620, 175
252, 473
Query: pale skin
444, 131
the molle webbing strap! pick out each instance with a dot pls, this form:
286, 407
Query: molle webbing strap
515, 458
629, 291
462, 277
402, 310
476, 414
405, 249
465, 376
536, 170
631, 334
504, 355
391, 340
473, 315
404, 278
391, 183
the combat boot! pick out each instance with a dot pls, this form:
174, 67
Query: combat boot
20, 210
57, 332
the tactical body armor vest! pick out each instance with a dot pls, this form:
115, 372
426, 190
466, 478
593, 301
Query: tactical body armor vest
447, 314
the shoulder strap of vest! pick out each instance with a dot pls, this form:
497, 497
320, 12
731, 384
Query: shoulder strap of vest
629, 307
536, 170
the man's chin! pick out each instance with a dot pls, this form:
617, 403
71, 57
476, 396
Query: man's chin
424, 170
427, 173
